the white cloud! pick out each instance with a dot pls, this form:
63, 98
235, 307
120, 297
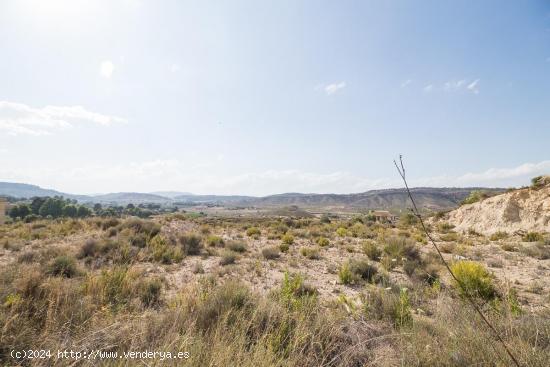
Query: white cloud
428, 88
455, 84
106, 69
18, 118
472, 87
333, 88
406, 83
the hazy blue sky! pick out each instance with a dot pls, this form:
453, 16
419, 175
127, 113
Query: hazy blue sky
260, 97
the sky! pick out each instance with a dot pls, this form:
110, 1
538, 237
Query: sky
264, 97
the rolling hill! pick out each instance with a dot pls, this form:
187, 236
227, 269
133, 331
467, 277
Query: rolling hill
426, 197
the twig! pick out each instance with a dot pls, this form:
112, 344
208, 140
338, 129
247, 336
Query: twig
401, 169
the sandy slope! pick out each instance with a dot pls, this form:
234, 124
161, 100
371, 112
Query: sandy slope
520, 210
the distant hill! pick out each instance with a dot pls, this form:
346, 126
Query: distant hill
426, 197
21, 190
171, 194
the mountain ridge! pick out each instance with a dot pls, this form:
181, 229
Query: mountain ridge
427, 197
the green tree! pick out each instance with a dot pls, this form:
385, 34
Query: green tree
36, 204
52, 207
70, 211
83, 211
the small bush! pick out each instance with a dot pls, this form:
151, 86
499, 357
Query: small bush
449, 237
532, 237
89, 249
164, 252
474, 280
539, 181
475, 196
191, 244
345, 275
323, 241
270, 253
138, 240
109, 222
253, 232
150, 229
311, 253
63, 266
538, 251
215, 241
284, 247
372, 250
363, 269
150, 292
228, 257
498, 236
510, 247
237, 246
288, 239
384, 305
444, 227
341, 232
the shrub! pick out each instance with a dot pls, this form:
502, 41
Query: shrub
191, 244
150, 229
163, 252
341, 232
532, 237
108, 223
270, 253
383, 305
295, 293
114, 287
237, 246
150, 291
372, 250
539, 181
398, 248
538, 251
288, 239
447, 248
444, 227
449, 237
323, 241
474, 280
284, 247
352, 271
510, 247
475, 196
63, 266
138, 240
311, 253
228, 257
363, 269
215, 241
345, 275
89, 249
498, 236
253, 232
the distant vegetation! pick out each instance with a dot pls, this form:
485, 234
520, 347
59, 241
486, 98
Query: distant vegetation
59, 207
475, 196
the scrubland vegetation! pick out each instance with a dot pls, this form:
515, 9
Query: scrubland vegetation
272, 291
